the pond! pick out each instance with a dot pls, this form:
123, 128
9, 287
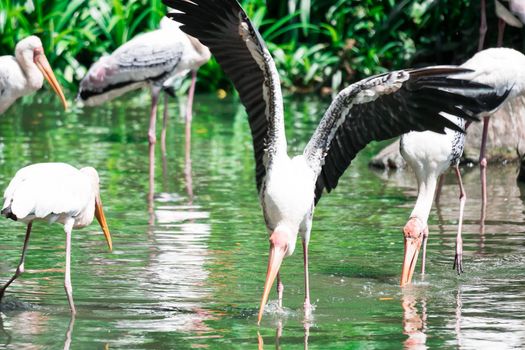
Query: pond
187, 270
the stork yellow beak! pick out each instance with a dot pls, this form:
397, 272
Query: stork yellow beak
43, 65
101, 218
412, 246
275, 259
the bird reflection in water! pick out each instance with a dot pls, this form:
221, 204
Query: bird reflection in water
279, 333
414, 324
165, 174
175, 276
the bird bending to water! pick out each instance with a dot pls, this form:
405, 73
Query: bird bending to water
430, 154
376, 108
24, 73
54, 192
156, 59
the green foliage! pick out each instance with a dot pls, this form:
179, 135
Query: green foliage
317, 44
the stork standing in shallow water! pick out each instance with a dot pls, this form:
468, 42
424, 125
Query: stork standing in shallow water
24, 73
376, 108
430, 154
54, 192
156, 59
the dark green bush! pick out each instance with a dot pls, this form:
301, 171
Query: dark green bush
316, 43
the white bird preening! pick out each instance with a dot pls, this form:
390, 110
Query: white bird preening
430, 154
376, 108
24, 73
54, 192
153, 59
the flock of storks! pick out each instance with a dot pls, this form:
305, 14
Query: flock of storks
430, 107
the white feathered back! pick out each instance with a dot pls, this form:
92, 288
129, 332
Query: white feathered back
48, 190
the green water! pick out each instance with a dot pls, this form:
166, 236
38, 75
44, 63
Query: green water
194, 278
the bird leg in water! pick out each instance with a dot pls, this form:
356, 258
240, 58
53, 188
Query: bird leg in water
152, 138
280, 290
68, 226
424, 257
307, 305
483, 25
164, 126
483, 161
20, 268
191, 94
458, 260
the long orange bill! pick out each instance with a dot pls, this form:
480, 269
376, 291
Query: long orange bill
274, 263
412, 246
101, 218
43, 64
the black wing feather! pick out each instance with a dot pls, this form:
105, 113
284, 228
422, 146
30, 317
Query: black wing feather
415, 106
217, 25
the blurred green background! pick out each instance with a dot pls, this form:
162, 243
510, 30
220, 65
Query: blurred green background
317, 44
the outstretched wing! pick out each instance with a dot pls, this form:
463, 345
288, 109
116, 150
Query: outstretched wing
224, 27
388, 105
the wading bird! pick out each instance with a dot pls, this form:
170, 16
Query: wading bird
153, 59
512, 14
376, 108
54, 192
24, 73
430, 154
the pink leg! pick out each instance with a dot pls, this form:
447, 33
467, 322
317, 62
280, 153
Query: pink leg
152, 138
191, 94
164, 125
307, 305
424, 256
187, 146
280, 290
67, 280
483, 161
20, 268
501, 31
483, 25
458, 260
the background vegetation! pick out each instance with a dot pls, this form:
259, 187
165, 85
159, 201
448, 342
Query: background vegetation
317, 44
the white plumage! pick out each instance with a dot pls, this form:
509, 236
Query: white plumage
376, 108
430, 154
24, 73
155, 59
54, 192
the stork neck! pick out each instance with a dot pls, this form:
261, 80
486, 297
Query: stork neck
425, 197
34, 77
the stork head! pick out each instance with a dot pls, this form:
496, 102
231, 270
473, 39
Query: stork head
413, 231
30, 49
99, 212
282, 244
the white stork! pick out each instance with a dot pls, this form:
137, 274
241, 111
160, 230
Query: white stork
376, 108
54, 192
430, 154
153, 59
24, 73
